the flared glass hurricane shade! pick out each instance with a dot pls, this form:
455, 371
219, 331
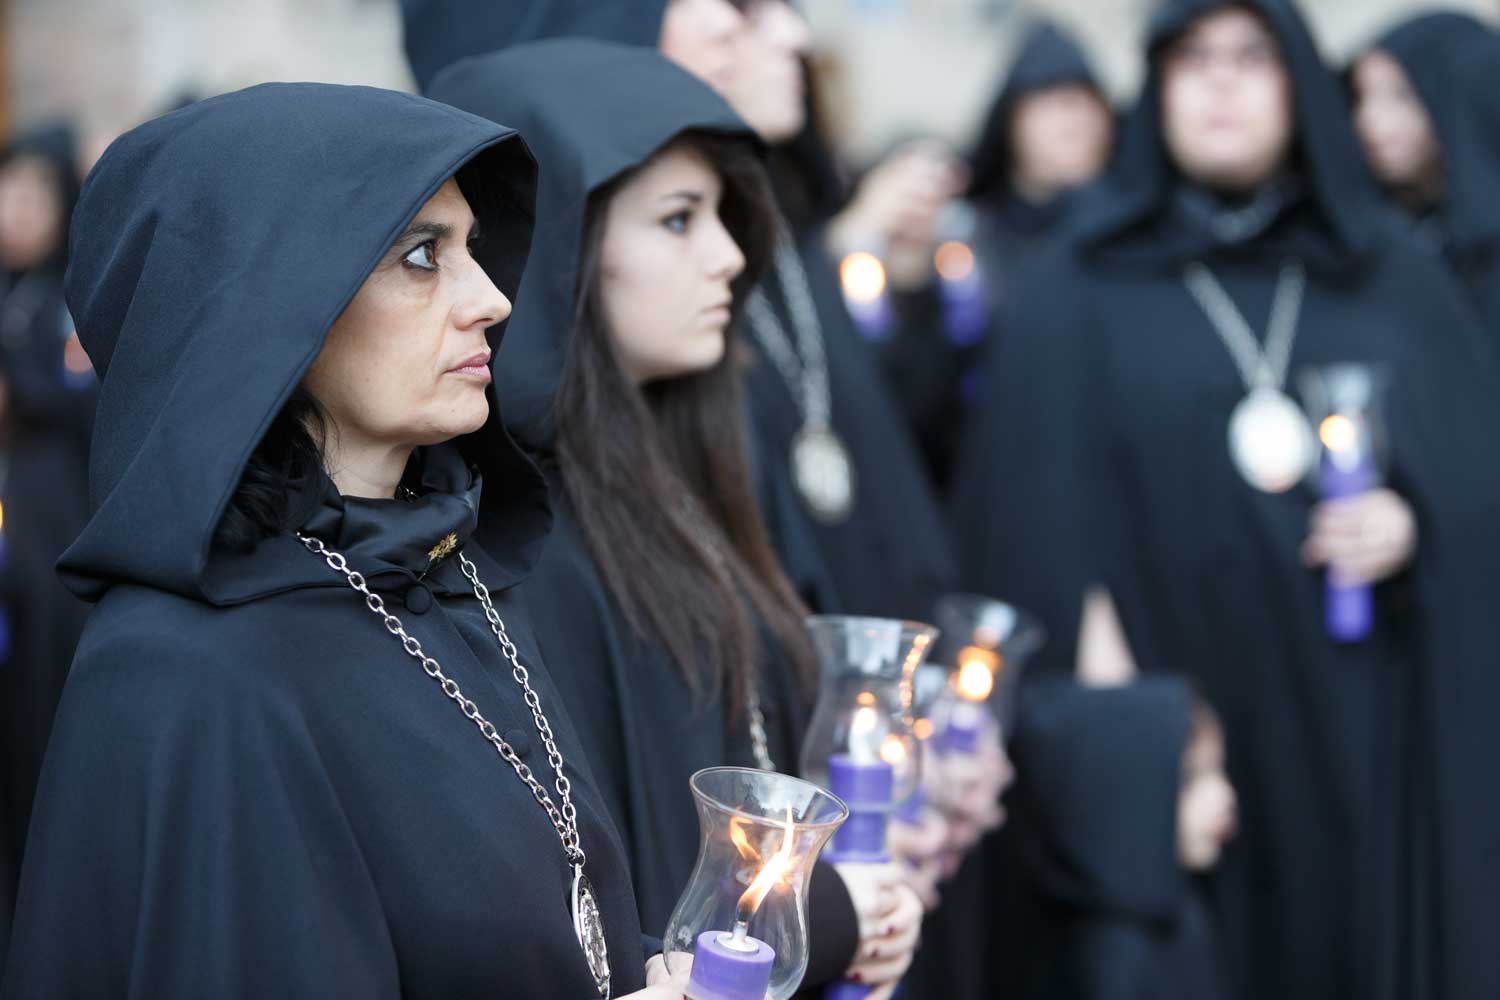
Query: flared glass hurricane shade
867, 668
1345, 404
749, 866
978, 634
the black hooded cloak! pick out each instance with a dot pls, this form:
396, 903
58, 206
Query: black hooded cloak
1453, 63
1365, 866
934, 367
892, 556
251, 789
592, 112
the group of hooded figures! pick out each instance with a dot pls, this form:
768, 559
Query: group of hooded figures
465, 466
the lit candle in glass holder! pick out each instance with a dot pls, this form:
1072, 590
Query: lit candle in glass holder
740, 926
862, 278
1346, 397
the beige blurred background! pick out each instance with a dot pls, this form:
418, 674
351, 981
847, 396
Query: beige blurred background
889, 68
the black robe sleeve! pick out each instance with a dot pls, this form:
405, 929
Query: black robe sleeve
1100, 773
216, 862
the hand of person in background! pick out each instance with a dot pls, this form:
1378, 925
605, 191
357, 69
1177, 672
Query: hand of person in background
895, 209
1104, 657
661, 984
1365, 539
890, 922
970, 798
920, 848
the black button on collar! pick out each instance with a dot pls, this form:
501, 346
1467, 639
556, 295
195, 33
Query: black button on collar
519, 740
418, 599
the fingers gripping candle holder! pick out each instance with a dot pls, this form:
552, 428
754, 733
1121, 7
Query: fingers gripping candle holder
741, 923
1345, 400
986, 644
860, 744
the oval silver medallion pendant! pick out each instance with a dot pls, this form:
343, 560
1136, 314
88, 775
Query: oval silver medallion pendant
1270, 441
589, 927
823, 473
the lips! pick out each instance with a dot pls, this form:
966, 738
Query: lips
477, 366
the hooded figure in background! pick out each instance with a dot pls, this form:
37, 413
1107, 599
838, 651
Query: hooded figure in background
598, 117
47, 392
842, 486
1426, 111
1364, 865
252, 788
1049, 131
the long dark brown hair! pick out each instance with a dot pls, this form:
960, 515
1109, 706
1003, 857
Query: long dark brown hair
658, 475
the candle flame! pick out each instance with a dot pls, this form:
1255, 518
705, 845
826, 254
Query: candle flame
975, 681
892, 750
954, 261
741, 841
775, 867
863, 276
866, 720
1338, 433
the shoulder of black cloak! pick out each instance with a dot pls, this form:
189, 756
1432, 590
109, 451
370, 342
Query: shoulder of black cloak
591, 111
190, 242
1474, 140
1091, 760
438, 33
1337, 182
1028, 475
226, 771
1048, 57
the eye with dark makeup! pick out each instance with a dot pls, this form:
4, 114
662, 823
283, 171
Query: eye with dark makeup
678, 221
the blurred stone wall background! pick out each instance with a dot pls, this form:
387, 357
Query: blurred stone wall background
888, 68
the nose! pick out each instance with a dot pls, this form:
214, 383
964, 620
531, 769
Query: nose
723, 255
479, 304
785, 26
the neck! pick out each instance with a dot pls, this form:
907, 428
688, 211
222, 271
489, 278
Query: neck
1033, 189
365, 469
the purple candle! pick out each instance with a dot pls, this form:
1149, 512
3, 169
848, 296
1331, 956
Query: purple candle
966, 723
730, 967
1346, 470
961, 293
910, 811
867, 788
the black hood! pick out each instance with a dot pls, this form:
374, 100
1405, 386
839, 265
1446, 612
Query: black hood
1049, 57
1329, 177
211, 249
57, 144
590, 111
1443, 54
441, 32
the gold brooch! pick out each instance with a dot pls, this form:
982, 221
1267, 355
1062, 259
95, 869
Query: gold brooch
444, 548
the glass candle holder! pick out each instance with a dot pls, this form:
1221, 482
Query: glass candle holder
741, 923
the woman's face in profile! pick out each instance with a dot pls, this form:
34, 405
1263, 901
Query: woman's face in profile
406, 363
665, 266
1393, 124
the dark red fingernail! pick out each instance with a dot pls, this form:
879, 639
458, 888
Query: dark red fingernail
855, 977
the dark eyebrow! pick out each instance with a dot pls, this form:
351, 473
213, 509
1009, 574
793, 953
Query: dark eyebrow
691, 197
424, 231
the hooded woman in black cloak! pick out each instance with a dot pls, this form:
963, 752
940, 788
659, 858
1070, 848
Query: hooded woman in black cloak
1426, 112
1049, 131
252, 788
1365, 865
46, 405
623, 380
836, 465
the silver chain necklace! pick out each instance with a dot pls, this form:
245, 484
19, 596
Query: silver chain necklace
587, 923
1270, 441
760, 744
821, 467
